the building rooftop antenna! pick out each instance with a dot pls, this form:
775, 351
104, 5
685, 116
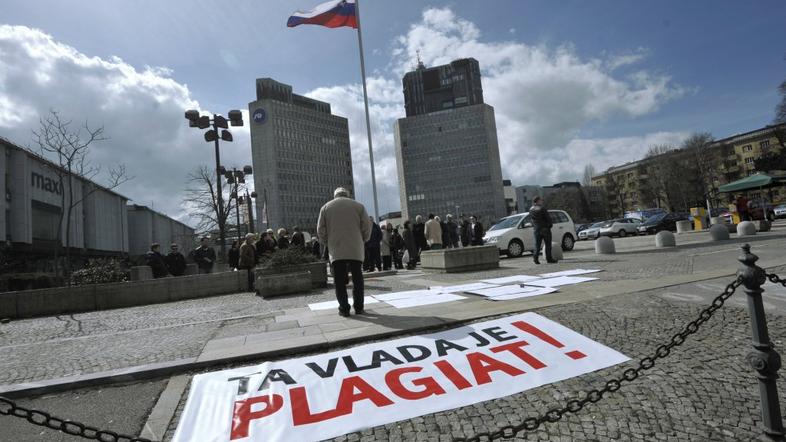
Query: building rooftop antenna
420, 62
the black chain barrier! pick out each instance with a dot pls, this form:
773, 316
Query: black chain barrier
775, 279
629, 375
44, 419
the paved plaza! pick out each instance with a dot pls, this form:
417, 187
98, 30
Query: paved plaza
703, 391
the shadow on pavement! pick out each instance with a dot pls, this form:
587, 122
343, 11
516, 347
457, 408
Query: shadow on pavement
400, 322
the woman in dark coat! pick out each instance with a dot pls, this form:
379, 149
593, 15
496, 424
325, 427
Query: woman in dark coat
234, 255
410, 246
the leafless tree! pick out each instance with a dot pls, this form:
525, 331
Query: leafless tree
201, 200
780, 109
589, 172
660, 168
69, 150
614, 189
702, 163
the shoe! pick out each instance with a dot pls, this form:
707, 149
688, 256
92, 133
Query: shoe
360, 312
343, 313
551, 261
536, 261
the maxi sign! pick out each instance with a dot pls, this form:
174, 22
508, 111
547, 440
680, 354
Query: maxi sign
323, 396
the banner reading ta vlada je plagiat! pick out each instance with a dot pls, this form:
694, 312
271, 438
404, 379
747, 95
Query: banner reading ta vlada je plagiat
323, 396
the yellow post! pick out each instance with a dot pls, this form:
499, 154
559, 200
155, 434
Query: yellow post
698, 214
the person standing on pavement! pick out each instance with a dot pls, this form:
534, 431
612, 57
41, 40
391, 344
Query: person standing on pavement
283, 239
233, 255
433, 232
175, 261
344, 227
475, 230
452, 232
397, 243
541, 227
419, 232
464, 226
386, 246
155, 260
373, 245
204, 256
410, 246
247, 259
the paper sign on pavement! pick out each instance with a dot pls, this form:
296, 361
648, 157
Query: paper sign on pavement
329, 305
424, 300
510, 279
404, 295
574, 272
498, 291
462, 287
323, 396
559, 281
532, 291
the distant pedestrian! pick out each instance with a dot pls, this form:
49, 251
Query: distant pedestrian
433, 232
204, 256
443, 225
155, 260
742, 208
374, 259
298, 240
233, 255
419, 232
266, 245
386, 247
410, 245
397, 244
247, 259
175, 261
541, 227
453, 232
344, 227
283, 239
464, 229
475, 231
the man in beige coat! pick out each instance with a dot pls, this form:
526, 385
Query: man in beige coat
433, 233
344, 227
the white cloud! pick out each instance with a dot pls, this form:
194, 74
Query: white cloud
141, 111
543, 98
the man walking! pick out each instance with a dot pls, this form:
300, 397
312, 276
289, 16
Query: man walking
433, 233
204, 256
247, 259
541, 226
344, 227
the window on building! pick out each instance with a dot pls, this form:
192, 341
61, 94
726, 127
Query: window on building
747, 148
749, 160
46, 218
764, 144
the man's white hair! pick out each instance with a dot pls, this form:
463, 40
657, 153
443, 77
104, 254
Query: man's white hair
340, 191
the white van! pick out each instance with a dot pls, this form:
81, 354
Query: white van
514, 236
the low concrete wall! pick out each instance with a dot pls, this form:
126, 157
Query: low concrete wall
460, 260
318, 272
57, 301
283, 283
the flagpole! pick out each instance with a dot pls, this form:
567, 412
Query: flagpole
368, 122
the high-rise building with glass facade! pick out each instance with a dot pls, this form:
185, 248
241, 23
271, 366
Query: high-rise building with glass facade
446, 148
300, 152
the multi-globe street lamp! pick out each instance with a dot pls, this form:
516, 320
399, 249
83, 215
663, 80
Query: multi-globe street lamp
218, 122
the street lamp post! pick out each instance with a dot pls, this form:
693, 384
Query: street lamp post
248, 200
217, 121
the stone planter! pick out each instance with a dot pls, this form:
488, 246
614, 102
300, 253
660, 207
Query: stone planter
317, 270
465, 259
282, 283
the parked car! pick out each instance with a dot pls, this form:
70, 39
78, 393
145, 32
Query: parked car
780, 211
580, 227
620, 227
591, 232
513, 235
660, 222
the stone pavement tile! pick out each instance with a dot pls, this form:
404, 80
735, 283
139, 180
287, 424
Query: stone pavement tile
218, 344
265, 346
284, 325
283, 334
320, 319
343, 325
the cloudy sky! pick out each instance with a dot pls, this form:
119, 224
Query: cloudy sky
572, 82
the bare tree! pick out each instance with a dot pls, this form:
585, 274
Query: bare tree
660, 167
614, 189
589, 172
702, 162
201, 200
780, 109
69, 149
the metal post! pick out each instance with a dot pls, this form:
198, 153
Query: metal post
365, 102
764, 359
237, 212
220, 197
250, 213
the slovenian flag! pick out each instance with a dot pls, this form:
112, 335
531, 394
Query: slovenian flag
333, 14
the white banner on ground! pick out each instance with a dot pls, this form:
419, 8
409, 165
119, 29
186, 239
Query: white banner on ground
323, 396
559, 281
504, 290
574, 272
510, 279
531, 292
462, 287
424, 300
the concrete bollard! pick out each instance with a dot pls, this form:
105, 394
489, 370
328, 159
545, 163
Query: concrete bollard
665, 239
684, 226
746, 228
719, 232
556, 251
604, 246
762, 225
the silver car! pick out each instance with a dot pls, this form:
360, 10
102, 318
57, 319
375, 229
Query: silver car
620, 227
591, 232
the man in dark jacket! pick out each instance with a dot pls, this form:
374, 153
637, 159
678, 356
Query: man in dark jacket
397, 243
298, 240
204, 256
419, 233
409, 244
452, 230
175, 261
541, 226
475, 230
464, 231
154, 259
372, 247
